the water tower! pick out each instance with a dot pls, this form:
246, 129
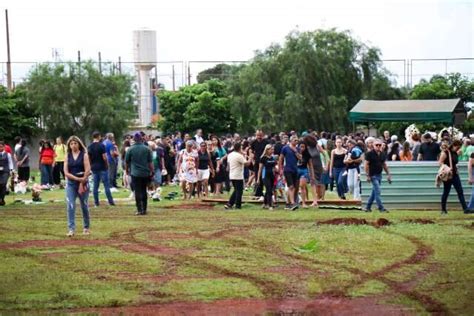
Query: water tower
144, 53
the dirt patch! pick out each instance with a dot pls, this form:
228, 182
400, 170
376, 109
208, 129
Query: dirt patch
152, 249
191, 206
55, 243
381, 222
355, 221
344, 221
320, 306
420, 221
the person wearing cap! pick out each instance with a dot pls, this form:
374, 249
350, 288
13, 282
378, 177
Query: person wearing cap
429, 150
139, 164
375, 163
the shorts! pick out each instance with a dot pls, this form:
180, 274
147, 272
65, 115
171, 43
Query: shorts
291, 178
203, 174
303, 174
157, 177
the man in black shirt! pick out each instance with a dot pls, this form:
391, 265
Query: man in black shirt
99, 166
256, 150
429, 150
374, 164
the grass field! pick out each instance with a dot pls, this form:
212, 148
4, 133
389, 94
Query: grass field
195, 258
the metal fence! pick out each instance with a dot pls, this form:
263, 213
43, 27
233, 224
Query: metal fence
175, 74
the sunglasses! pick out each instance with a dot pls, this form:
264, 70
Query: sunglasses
378, 145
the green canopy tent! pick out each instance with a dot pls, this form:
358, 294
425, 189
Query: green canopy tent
441, 111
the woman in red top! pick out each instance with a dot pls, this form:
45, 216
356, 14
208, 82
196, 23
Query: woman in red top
46, 163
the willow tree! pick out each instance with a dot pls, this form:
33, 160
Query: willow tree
311, 81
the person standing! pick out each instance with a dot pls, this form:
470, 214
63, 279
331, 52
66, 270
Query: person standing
429, 150
22, 155
205, 169
139, 164
450, 158
99, 165
256, 150
266, 172
316, 152
112, 154
188, 163
198, 137
59, 156
288, 166
6, 170
46, 164
375, 163
353, 160
236, 162
337, 167
77, 170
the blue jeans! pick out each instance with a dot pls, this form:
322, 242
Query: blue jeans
71, 195
471, 201
46, 174
339, 179
104, 177
113, 173
376, 181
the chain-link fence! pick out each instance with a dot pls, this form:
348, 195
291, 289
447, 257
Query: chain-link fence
174, 74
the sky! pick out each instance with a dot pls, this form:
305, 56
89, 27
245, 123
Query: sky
232, 30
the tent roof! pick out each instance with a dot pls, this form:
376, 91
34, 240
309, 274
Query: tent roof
407, 110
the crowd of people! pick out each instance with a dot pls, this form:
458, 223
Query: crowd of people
284, 168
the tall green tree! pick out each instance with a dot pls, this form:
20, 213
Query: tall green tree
205, 106
18, 118
76, 98
311, 81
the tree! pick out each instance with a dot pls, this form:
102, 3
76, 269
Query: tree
19, 119
220, 72
204, 105
76, 99
311, 81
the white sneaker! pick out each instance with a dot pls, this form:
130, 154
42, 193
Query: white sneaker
261, 199
70, 233
113, 190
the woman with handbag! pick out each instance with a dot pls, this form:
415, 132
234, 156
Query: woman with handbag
77, 170
449, 158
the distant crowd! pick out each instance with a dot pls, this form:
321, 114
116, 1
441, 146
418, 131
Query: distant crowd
280, 168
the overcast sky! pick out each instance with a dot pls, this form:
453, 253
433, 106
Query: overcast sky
232, 30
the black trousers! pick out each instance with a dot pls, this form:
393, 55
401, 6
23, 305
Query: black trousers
456, 183
236, 197
23, 173
269, 187
3, 184
58, 170
259, 185
141, 198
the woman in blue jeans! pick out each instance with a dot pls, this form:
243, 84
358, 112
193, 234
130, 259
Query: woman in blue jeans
337, 167
77, 170
450, 158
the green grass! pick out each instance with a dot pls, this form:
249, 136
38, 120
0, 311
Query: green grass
176, 255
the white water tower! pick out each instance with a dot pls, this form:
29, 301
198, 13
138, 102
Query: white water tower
144, 53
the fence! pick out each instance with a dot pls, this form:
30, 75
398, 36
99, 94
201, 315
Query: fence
175, 74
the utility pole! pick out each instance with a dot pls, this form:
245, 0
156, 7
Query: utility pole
79, 56
120, 65
9, 64
100, 63
189, 74
174, 83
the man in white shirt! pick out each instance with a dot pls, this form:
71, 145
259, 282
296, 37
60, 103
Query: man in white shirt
236, 162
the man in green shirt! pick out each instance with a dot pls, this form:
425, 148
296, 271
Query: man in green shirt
139, 164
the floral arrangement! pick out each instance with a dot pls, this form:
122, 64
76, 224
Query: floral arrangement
409, 132
453, 132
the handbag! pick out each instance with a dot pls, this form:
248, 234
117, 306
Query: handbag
445, 172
